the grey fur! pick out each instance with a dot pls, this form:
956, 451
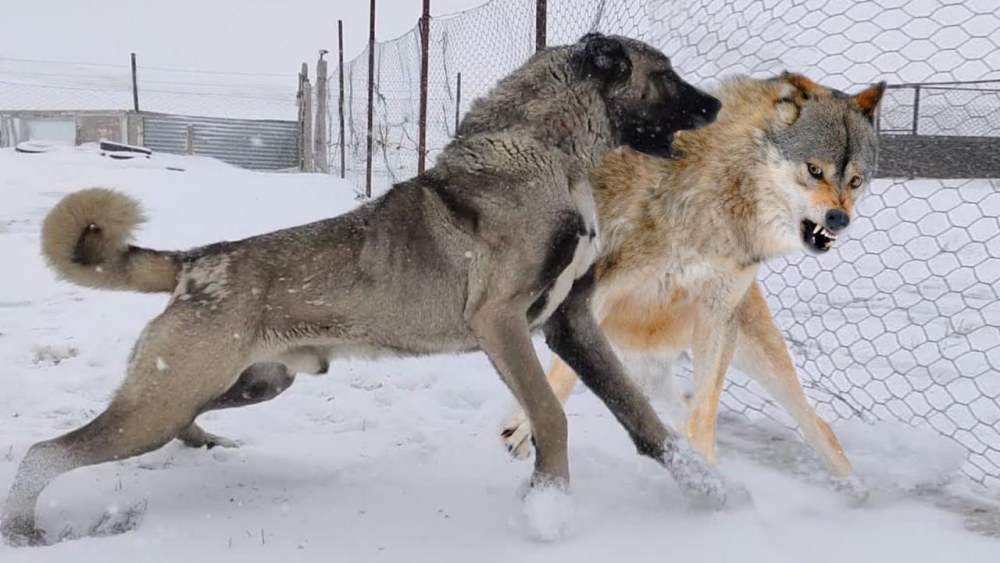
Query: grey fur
831, 130
450, 261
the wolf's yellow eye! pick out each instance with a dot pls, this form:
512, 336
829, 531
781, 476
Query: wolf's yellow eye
815, 171
856, 182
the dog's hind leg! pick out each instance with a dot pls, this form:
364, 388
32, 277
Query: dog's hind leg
574, 336
167, 383
258, 383
762, 354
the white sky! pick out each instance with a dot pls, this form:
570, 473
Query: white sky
237, 35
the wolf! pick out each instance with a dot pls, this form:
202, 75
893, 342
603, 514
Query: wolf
494, 242
779, 171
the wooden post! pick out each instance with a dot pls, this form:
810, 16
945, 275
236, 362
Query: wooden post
305, 121
916, 108
135, 86
424, 24
371, 98
541, 23
458, 101
301, 118
340, 46
189, 141
321, 162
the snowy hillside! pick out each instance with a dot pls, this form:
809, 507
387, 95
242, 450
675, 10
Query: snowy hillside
391, 460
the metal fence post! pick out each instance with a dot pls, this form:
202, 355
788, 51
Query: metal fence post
541, 23
371, 96
340, 46
458, 101
424, 25
135, 86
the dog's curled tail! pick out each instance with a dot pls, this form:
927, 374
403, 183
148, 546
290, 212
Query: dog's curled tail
86, 239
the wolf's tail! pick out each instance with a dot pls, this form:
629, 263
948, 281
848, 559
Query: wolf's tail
85, 238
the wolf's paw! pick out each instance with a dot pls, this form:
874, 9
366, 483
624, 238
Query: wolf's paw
702, 486
546, 508
515, 433
853, 487
21, 532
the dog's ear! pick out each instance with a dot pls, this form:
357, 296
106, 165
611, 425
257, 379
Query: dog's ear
604, 57
867, 100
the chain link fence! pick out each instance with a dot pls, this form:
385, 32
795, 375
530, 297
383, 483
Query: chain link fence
482, 45
902, 320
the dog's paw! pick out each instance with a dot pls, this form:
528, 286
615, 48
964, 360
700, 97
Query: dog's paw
702, 486
216, 441
195, 437
515, 433
546, 508
21, 532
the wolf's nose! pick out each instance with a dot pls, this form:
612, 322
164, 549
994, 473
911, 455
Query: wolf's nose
836, 220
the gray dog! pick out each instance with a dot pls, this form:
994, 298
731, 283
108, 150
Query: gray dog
497, 240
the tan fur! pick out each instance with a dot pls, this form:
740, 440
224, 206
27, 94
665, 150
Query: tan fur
683, 239
86, 236
868, 100
804, 84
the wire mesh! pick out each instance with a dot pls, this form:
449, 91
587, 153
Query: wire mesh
902, 321
483, 44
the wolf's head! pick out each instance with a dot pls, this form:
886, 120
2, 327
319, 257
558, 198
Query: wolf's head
646, 99
827, 148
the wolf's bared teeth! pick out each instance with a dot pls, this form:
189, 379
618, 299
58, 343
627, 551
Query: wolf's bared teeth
817, 229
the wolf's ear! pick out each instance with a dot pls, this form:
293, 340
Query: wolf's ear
867, 100
604, 57
808, 88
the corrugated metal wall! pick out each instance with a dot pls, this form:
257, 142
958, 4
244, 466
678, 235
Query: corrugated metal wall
259, 145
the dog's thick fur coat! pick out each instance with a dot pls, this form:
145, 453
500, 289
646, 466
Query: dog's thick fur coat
498, 239
778, 171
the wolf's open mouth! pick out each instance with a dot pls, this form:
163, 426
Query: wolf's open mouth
816, 237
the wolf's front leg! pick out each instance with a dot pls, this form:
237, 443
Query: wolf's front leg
762, 354
713, 348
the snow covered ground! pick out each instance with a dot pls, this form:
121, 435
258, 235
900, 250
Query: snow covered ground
392, 460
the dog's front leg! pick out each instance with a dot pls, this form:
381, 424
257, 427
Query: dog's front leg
573, 334
504, 336
515, 430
